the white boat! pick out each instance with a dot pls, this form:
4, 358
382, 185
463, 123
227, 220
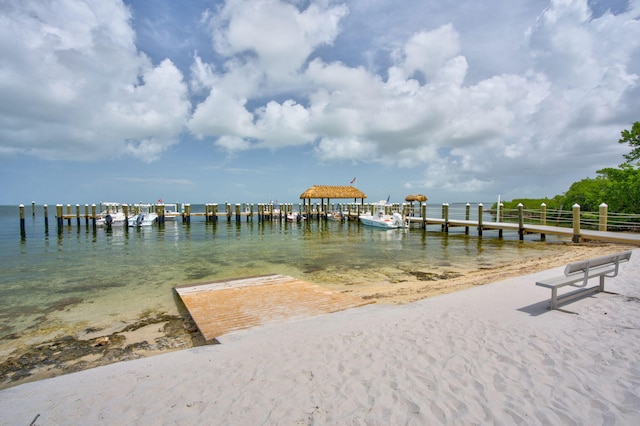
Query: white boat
295, 217
339, 216
381, 219
171, 211
144, 217
111, 216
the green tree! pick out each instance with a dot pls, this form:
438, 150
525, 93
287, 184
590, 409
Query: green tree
618, 188
632, 137
588, 193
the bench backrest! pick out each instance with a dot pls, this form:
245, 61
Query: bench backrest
613, 259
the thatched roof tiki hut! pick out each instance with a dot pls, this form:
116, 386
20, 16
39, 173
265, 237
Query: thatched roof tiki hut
336, 192
416, 197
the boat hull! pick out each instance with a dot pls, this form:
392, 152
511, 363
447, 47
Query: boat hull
383, 221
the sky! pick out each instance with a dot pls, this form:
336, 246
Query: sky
257, 100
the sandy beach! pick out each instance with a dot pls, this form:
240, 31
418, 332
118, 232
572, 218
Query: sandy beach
490, 354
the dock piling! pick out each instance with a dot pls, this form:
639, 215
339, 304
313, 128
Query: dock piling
59, 218
46, 218
186, 216
467, 216
23, 231
521, 221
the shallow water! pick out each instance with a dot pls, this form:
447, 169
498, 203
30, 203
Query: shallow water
58, 282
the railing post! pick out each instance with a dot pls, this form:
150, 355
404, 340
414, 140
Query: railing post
69, 214
480, 212
543, 219
602, 219
423, 213
78, 215
576, 223
93, 216
521, 221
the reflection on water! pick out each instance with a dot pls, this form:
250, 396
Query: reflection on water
79, 276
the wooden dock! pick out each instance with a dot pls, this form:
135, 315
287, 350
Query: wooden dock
543, 230
221, 307
285, 212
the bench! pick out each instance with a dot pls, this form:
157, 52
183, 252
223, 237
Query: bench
577, 274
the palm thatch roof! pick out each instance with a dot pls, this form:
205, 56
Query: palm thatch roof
416, 197
327, 191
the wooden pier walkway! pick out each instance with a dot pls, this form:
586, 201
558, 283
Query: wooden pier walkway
543, 230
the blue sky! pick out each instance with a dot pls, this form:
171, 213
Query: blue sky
256, 100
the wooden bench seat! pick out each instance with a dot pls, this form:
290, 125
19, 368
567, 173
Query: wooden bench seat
578, 274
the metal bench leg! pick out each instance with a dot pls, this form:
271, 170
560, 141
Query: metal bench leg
554, 296
602, 277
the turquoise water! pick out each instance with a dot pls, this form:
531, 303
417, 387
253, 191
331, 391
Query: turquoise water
55, 282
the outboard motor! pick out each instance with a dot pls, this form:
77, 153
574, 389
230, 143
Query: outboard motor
397, 219
139, 219
108, 220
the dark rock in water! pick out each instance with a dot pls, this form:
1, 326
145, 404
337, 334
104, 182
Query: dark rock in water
431, 276
313, 268
69, 353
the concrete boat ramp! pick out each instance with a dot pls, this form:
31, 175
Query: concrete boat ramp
225, 306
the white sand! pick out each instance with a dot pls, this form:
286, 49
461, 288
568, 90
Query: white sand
487, 355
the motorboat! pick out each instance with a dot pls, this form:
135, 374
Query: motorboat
379, 218
339, 216
295, 217
144, 217
171, 211
112, 215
